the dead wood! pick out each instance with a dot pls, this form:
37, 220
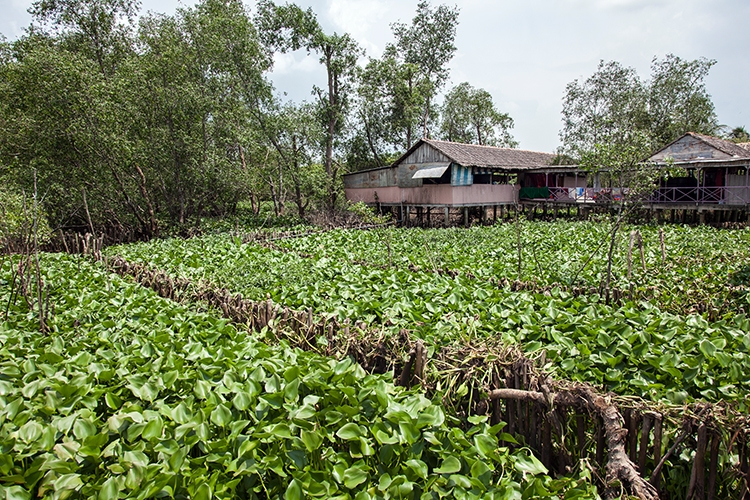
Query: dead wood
620, 469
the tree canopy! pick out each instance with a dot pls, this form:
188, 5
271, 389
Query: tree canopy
614, 107
470, 116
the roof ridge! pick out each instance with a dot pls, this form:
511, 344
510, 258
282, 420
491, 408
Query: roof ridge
723, 145
488, 146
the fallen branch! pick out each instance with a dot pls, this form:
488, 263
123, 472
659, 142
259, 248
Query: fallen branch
620, 469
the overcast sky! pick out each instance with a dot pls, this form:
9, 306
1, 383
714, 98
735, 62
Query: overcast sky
525, 52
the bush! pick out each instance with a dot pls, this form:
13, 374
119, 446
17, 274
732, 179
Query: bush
17, 220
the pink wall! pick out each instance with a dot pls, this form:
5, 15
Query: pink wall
442, 194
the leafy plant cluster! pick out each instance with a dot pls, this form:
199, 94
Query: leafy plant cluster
634, 349
698, 268
132, 395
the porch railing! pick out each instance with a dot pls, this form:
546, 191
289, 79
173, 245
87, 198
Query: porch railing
719, 195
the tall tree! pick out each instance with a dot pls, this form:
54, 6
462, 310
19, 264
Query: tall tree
614, 107
470, 116
99, 29
609, 107
428, 45
678, 99
289, 27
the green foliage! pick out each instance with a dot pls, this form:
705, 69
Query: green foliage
17, 220
637, 348
738, 134
427, 46
469, 116
133, 396
615, 108
608, 108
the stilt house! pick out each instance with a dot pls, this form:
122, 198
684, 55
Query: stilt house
448, 174
715, 174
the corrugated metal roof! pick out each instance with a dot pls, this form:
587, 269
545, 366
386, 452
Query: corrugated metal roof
472, 155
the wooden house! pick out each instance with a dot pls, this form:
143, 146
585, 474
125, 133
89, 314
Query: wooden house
714, 174
448, 174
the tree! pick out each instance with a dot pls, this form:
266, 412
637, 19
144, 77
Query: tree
289, 28
608, 108
470, 116
155, 138
428, 45
100, 29
614, 107
738, 134
677, 99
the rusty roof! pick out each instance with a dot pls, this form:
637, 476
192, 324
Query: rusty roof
473, 155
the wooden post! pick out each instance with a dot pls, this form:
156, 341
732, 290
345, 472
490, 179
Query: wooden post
713, 465
466, 216
429, 212
407, 217
657, 448
696, 488
494, 213
643, 451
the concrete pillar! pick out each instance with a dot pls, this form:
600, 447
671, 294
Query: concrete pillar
447, 216
702, 217
466, 216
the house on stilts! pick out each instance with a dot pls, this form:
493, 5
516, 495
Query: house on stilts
707, 179
443, 176
713, 178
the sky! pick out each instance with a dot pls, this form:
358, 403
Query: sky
524, 52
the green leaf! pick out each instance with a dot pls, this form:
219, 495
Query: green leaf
450, 465
349, 431
30, 431
354, 476
203, 492
181, 414
242, 400
153, 429
294, 490
479, 469
530, 464
202, 389
291, 390
419, 467
113, 402
221, 416
110, 489
486, 445
16, 493
707, 348
311, 439
68, 482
